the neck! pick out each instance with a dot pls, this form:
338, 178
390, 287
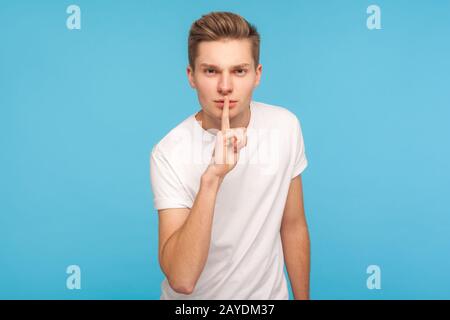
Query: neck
239, 121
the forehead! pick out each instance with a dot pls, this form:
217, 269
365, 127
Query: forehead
225, 53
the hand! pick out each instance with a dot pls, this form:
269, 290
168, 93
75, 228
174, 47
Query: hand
229, 142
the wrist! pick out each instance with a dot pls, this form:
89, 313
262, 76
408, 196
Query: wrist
210, 178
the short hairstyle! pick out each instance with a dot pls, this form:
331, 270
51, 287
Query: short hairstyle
218, 26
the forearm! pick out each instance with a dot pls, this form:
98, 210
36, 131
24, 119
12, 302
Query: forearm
185, 252
296, 248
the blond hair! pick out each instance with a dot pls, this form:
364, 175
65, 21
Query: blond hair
218, 26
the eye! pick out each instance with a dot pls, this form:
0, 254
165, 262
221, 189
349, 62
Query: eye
209, 71
241, 72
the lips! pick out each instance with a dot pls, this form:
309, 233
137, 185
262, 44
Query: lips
220, 103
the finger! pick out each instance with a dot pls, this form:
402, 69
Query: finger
219, 150
232, 154
226, 114
241, 137
225, 146
229, 135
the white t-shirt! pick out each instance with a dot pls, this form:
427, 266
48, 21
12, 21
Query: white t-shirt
245, 258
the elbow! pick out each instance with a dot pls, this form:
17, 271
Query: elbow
182, 287
178, 284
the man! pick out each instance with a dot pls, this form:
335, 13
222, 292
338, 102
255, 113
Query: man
226, 180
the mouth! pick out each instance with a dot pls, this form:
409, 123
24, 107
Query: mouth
220, 103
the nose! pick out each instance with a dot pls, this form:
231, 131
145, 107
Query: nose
225, 85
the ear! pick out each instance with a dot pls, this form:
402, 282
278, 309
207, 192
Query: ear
258, 75
190, 74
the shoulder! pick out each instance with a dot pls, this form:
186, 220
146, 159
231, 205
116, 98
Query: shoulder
276, 115
178, 138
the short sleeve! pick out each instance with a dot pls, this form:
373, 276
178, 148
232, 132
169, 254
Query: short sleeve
168, 191
300, 161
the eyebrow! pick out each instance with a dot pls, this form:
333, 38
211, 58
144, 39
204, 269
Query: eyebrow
217, 67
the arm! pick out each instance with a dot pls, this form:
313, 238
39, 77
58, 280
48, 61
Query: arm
295, 240
185, 235
183, 252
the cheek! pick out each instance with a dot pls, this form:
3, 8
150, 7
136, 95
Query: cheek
245, 86
206, 87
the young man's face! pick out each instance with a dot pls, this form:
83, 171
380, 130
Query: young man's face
222, 68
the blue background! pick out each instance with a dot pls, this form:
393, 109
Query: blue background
81, 110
